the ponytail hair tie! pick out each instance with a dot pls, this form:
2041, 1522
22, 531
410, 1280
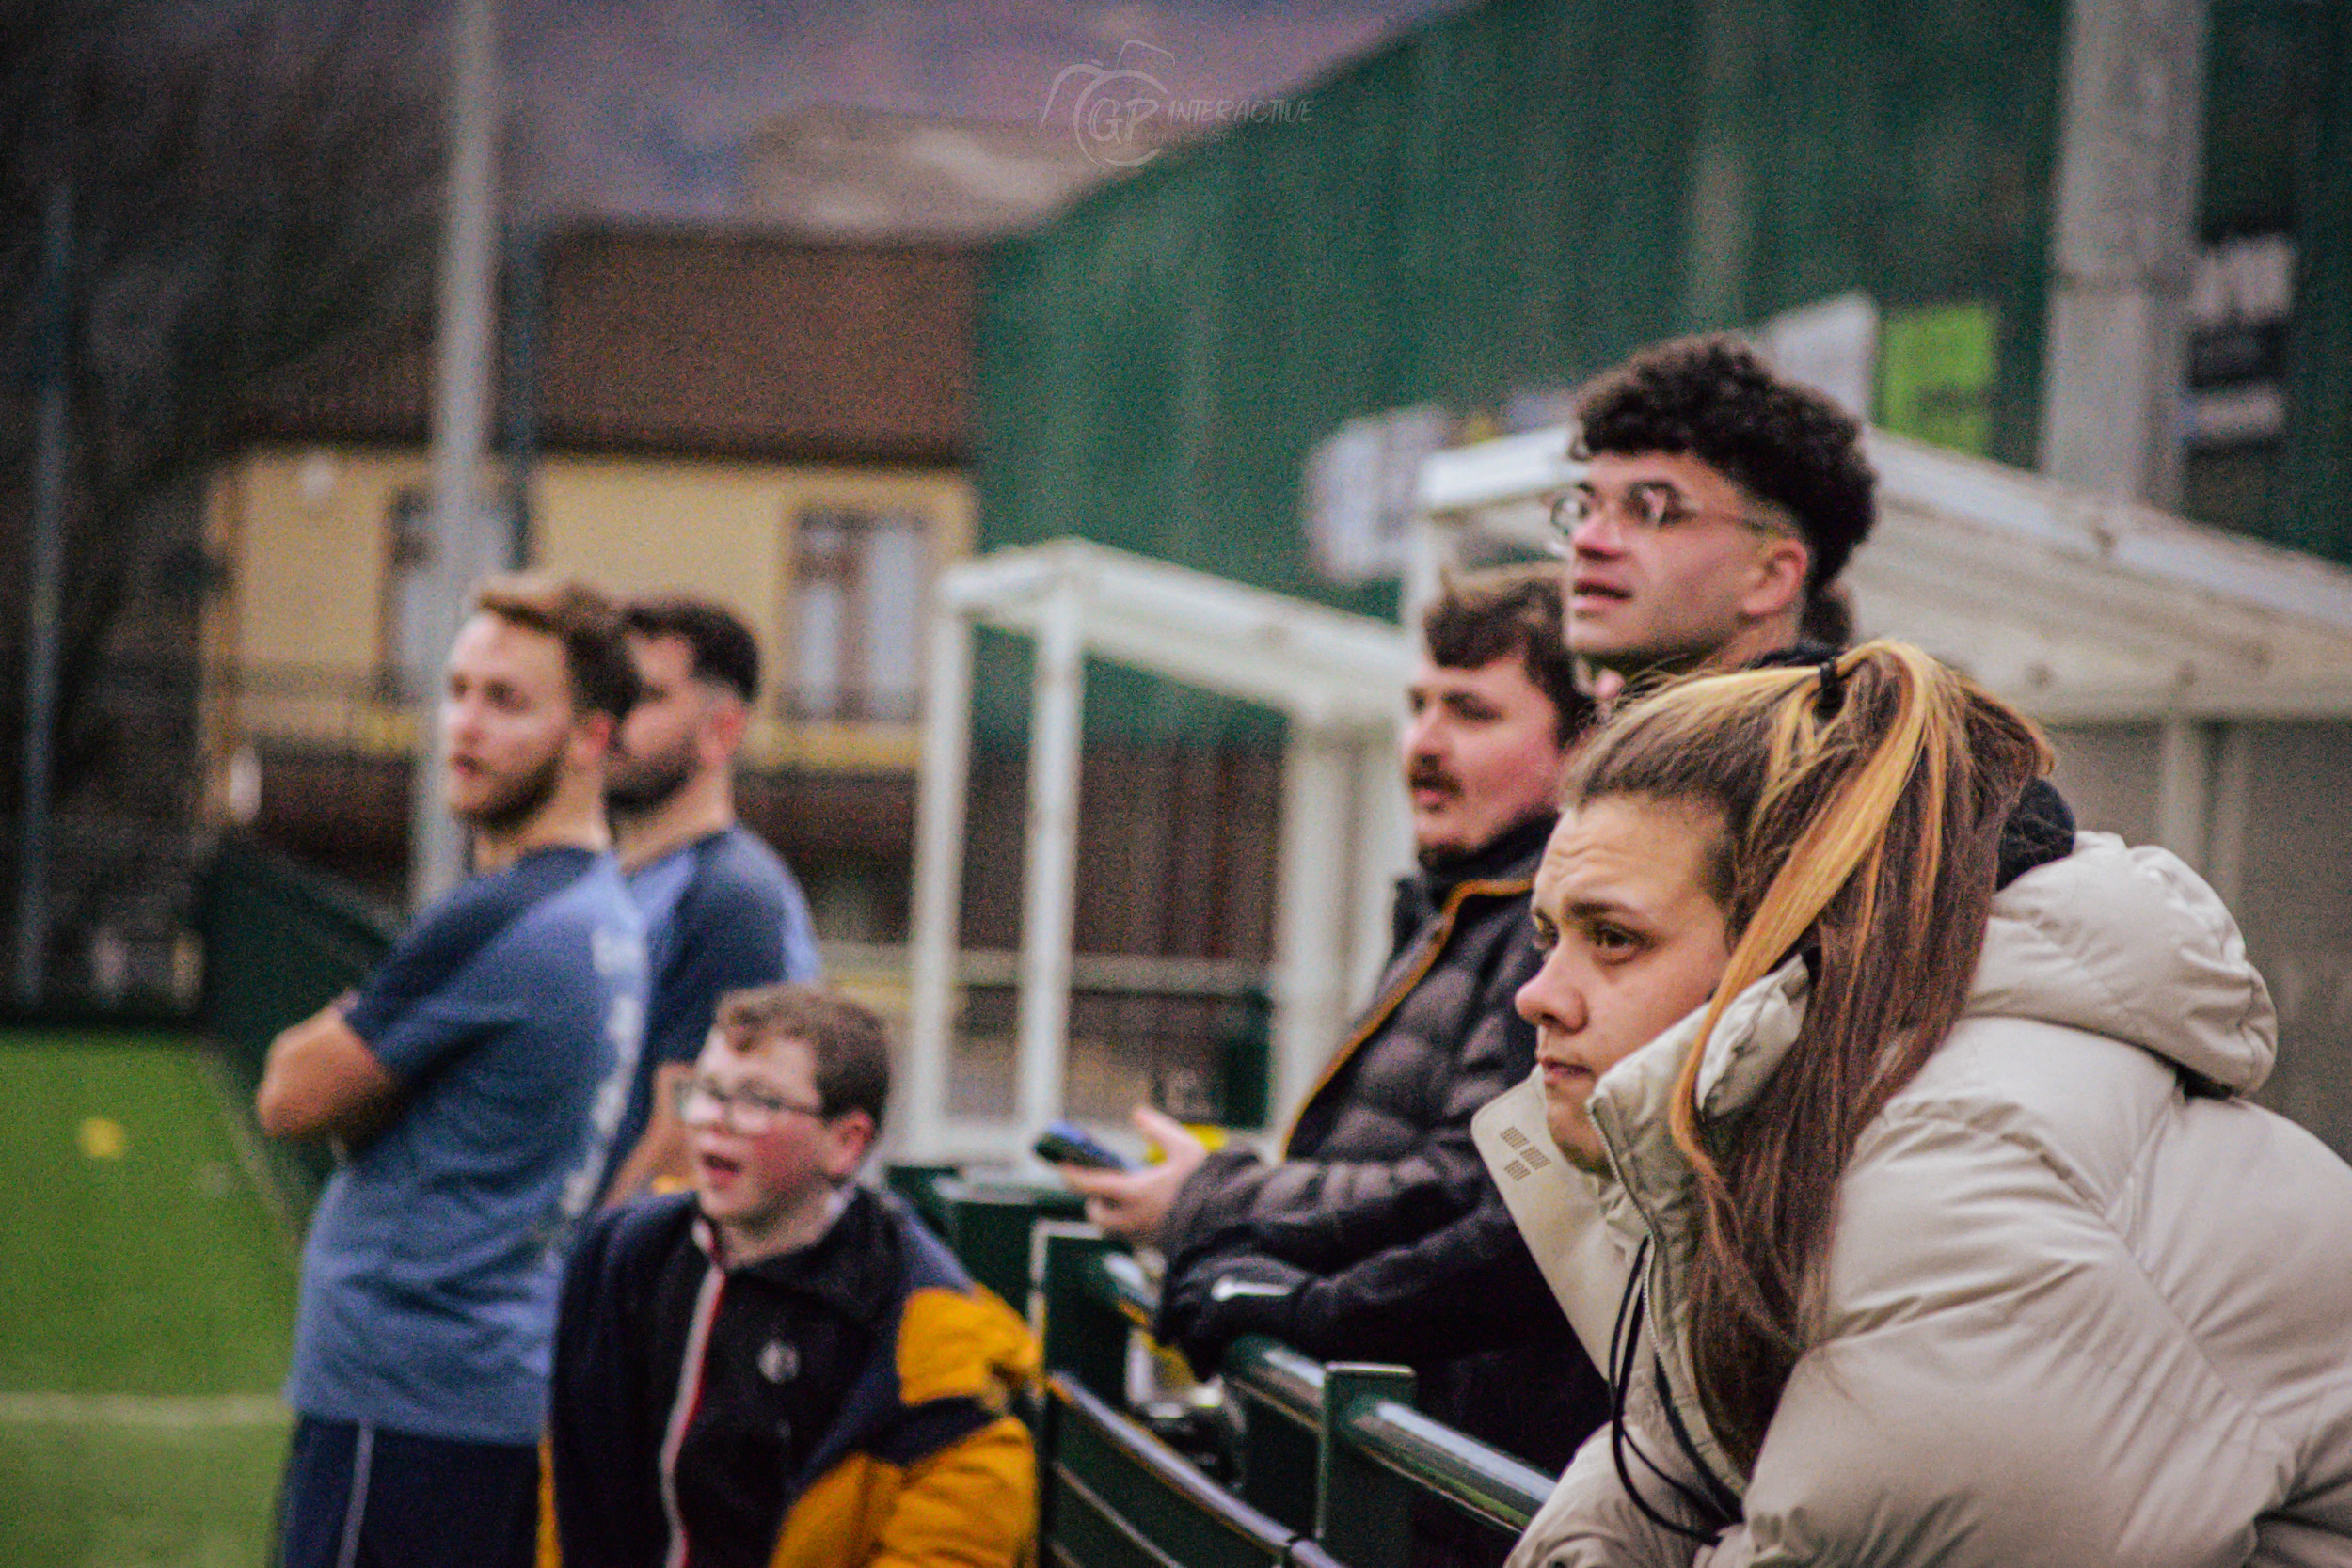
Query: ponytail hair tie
1832, 695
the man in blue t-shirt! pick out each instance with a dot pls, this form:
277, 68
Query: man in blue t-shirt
471, 1087
722, 911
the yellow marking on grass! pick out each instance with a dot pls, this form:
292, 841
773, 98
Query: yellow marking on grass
102, 1138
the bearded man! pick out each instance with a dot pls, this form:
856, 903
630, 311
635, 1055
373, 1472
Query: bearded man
722, 911
471, 1087
1371, 1237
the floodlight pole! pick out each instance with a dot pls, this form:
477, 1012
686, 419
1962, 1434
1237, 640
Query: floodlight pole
2122, 245
461, 418
46, 567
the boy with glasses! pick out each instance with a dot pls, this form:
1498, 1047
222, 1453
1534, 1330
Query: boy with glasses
781, 1365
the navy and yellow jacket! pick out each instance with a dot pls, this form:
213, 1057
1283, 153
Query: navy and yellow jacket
839, 1407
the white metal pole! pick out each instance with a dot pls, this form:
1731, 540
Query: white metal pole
940, 796
1049, 883
2183, 777
2130, 149
461, 418
1314, 866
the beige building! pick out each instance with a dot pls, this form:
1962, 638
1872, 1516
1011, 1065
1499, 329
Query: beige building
777, 425
828, 563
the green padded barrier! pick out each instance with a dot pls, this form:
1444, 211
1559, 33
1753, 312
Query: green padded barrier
919, 1185
1118, 1498
280, 943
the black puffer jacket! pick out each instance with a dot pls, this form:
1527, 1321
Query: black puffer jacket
1379, 1198
1381, 1149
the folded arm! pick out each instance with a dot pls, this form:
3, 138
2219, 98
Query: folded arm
321, 1080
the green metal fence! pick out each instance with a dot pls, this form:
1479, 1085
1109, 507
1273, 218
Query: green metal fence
1115, 1496
1331, 1458
279, 944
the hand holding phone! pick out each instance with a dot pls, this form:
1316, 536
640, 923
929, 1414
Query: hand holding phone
1065, 1143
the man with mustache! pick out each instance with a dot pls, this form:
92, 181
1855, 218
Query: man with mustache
470, 1086
1343, 1247
722, 911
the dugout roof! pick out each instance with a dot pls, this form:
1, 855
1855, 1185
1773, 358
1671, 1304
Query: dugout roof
2082, 609
2078, 608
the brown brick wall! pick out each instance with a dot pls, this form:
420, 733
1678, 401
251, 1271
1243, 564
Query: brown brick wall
676, 342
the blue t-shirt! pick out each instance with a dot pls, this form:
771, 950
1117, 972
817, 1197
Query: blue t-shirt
721, 913
512, 1014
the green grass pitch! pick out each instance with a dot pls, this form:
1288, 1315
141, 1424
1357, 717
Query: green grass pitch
146, 1304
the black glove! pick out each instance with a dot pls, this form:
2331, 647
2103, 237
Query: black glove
1221, 1299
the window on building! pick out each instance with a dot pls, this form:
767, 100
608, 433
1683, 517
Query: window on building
859, 582
401, 614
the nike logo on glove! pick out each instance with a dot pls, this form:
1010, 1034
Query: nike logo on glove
1228, 1288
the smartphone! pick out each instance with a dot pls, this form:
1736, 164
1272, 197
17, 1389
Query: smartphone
1065, 1143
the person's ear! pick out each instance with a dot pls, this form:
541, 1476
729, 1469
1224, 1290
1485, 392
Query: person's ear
1777, 585
721, 731
849, 1138
590, 740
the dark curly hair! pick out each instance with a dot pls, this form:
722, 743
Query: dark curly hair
1712, 399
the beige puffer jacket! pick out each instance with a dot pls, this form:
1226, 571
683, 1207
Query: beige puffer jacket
2073, 1314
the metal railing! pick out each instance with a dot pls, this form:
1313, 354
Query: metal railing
1336, 1452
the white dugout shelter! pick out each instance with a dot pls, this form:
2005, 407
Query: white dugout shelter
1338, 679
2197, 686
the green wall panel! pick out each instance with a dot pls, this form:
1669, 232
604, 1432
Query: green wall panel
2318, 467
1514, 197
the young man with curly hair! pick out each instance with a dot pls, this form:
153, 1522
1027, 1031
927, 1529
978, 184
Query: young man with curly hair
1718, 505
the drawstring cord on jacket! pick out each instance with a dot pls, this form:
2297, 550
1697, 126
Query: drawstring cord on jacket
1623, 1342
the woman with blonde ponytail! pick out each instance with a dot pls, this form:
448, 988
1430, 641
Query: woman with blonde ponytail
1953, 1239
